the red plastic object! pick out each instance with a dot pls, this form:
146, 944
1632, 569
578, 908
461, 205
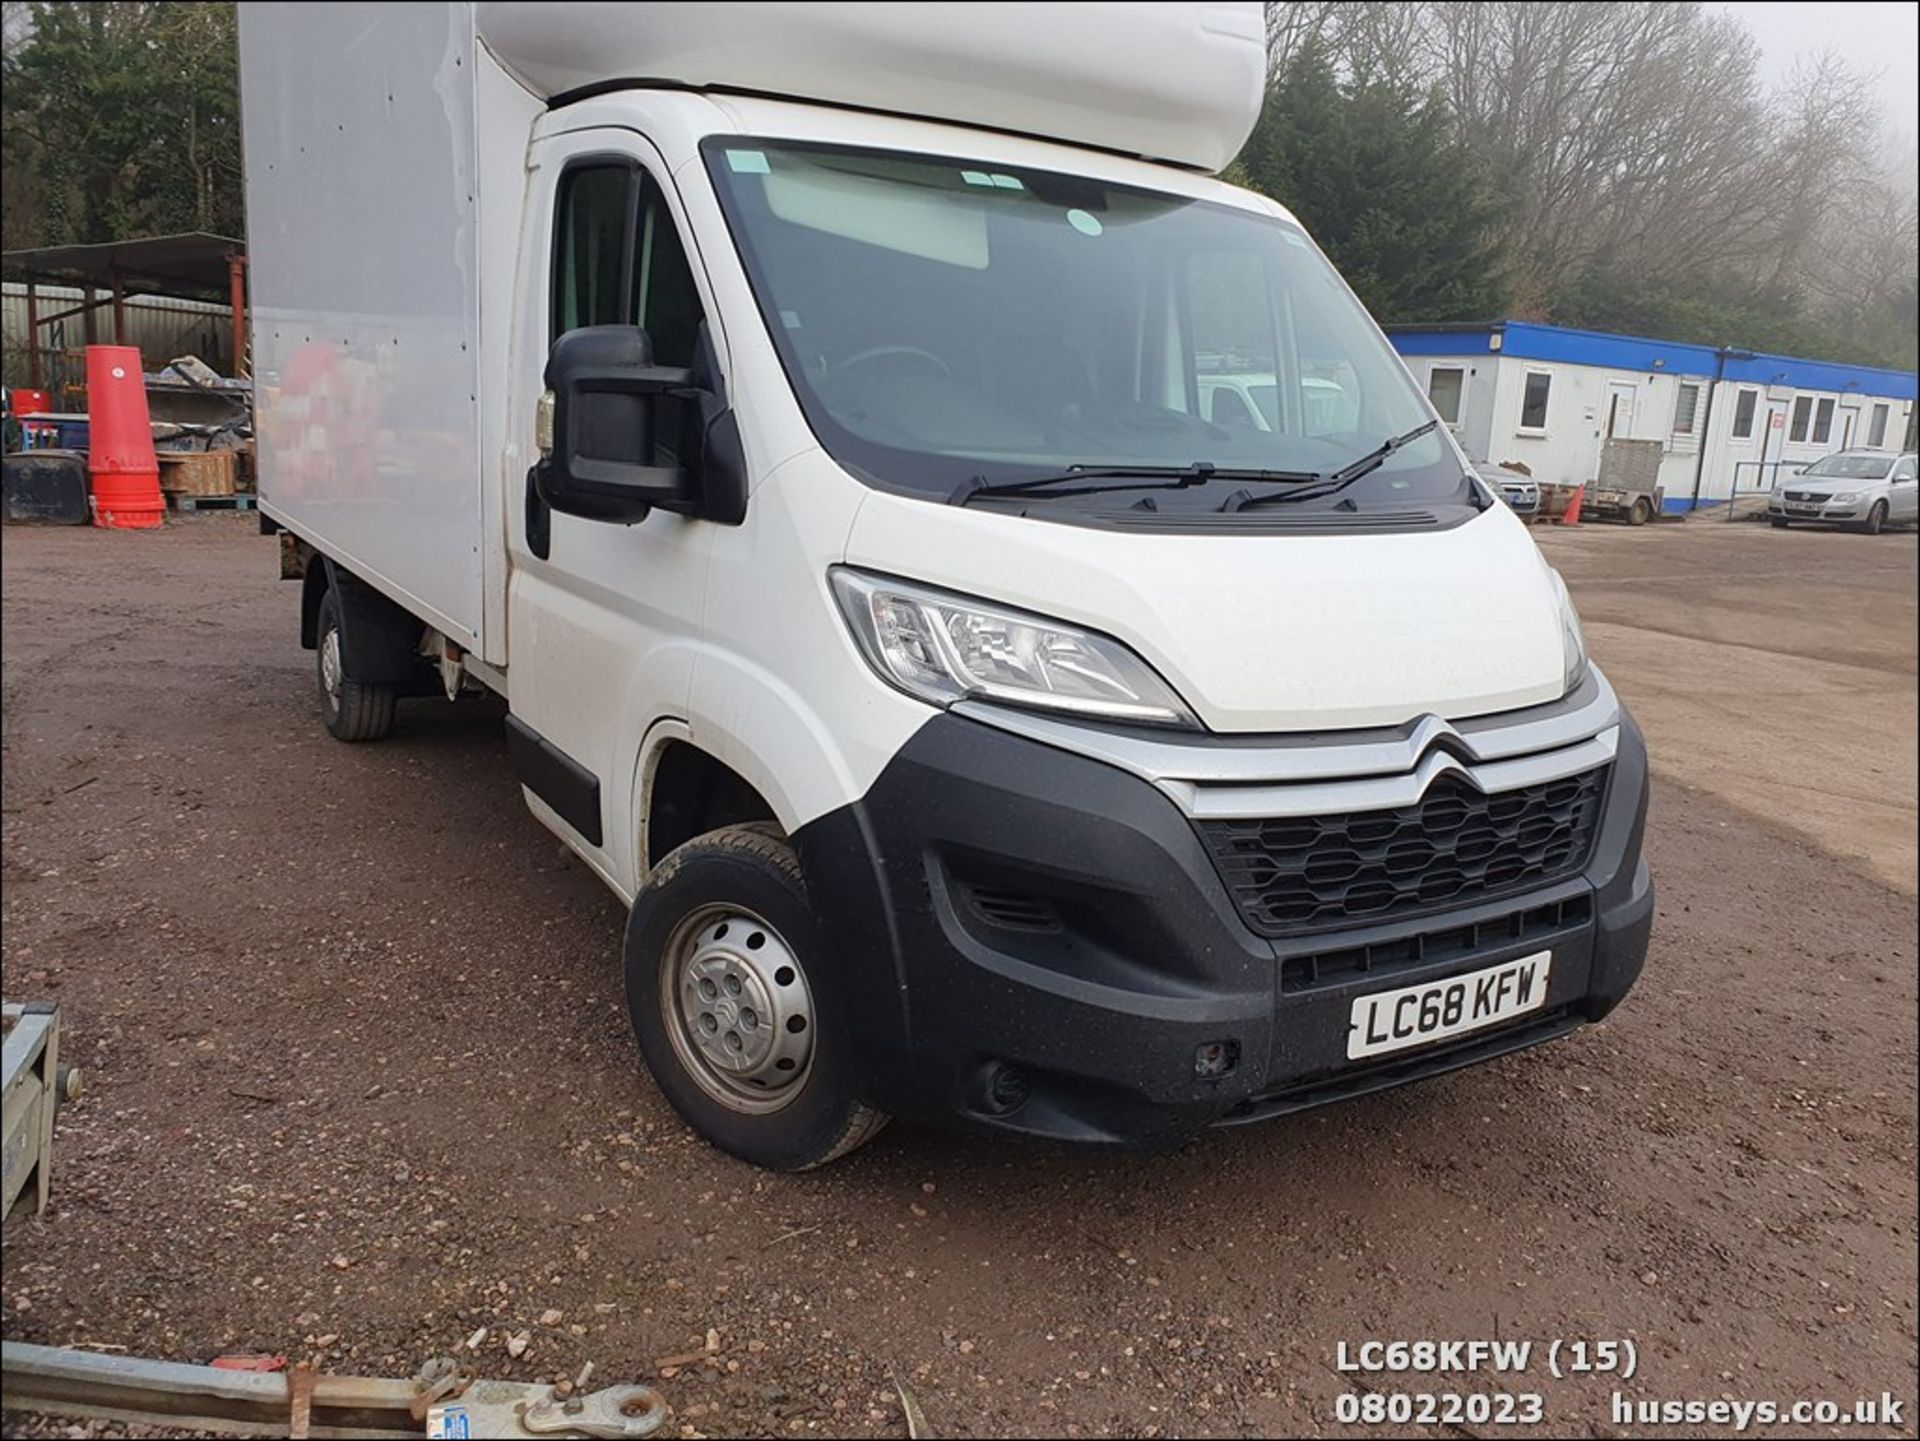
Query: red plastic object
120, 458
1572, 516
29, 402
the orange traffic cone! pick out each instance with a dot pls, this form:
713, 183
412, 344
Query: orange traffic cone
124, 470
1572, 514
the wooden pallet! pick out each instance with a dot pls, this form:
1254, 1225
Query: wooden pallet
198, 472
186, 503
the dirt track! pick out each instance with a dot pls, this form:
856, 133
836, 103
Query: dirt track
361, 1083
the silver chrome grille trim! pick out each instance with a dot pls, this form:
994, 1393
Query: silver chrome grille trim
1320, 772
1378, 793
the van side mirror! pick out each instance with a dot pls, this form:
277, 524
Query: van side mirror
608, 419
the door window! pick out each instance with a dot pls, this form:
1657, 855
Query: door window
618, 260
1802, 414
1445, 387
1743, 408
1686, 404
594, 232
666, 303
1619, 413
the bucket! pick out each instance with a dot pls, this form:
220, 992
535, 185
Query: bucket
120, 458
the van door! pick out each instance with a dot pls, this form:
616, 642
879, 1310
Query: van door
601, 618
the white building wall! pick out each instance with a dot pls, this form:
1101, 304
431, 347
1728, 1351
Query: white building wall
1566, 451
1580, 401
1738, 458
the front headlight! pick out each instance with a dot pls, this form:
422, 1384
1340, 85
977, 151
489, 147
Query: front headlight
1844, 498
944, 648
1573, 644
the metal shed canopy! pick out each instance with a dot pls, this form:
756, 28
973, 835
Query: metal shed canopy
194, 264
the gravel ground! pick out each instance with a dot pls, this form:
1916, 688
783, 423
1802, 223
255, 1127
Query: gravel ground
361, 1088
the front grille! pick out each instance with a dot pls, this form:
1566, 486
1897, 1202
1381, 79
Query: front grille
1808, 495
1455, 844
1380, 960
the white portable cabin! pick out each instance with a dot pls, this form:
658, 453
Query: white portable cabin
1728, 421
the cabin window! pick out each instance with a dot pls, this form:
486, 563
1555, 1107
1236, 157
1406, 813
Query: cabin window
1823, 422
1446, 388
1533, 402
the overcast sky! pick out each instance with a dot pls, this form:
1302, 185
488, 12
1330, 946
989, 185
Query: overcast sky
1875, 38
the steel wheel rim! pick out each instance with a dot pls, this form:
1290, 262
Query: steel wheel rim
738, 1009
330, 672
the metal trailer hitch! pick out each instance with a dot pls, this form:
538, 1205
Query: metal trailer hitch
438, 1402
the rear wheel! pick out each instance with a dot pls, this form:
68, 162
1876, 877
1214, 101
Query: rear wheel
1876, 518
736, 1010
352, 710
1640, 512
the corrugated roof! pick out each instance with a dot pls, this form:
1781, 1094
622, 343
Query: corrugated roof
193, 264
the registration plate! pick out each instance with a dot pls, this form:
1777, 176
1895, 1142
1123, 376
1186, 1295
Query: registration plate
1803, 510
1435, 1010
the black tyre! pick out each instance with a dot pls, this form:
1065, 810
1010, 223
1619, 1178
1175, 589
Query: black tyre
735, 1008
352, 710
1778, 522
1640, 512
1876, 518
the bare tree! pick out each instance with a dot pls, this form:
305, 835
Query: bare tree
1820, 154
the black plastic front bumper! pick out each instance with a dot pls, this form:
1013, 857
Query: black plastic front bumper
1035, 942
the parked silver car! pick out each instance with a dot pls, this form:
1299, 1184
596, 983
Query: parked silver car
1518, 489
1866, 489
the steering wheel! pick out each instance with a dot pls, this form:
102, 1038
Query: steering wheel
879, 352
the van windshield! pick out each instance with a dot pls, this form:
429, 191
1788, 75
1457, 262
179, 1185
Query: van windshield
944, 319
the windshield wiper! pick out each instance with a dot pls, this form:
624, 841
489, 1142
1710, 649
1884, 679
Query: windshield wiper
1134, 477
1338, 481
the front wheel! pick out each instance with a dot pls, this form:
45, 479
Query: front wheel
1641, 512
735, 1009
1876, 518
1778, 522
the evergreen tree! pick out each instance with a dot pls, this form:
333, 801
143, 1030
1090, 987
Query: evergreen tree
122, 119
1376, 174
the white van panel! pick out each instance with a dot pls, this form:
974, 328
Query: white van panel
1180, 82
363, 215
781, 692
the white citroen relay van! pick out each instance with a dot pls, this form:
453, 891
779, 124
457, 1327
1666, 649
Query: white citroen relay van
796, 413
